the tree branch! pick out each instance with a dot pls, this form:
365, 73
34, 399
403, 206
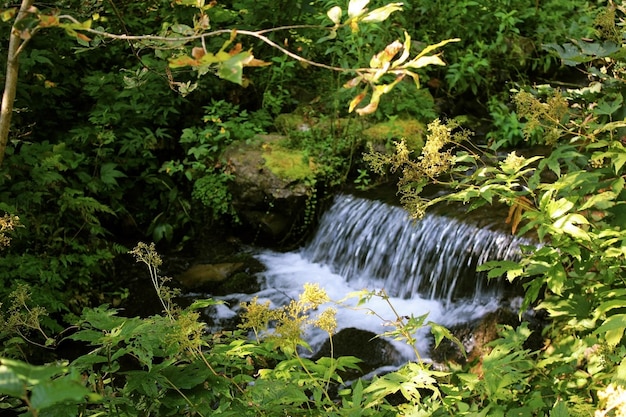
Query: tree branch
10, 82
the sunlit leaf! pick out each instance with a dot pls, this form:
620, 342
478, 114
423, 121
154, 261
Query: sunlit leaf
8, 14
334, 14
197, 52
383, 58
356, 7
430, 48
425, 61
382, 13
559, 207
356, 100
613, 329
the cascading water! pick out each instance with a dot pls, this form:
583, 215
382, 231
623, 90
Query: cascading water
435, 257
426, 267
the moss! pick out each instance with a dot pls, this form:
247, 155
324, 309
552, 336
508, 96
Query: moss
411, 130
288, 164
290, 122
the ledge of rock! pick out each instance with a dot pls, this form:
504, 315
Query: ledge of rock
373, 351
271, 185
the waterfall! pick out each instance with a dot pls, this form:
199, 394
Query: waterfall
426, 267
435, 257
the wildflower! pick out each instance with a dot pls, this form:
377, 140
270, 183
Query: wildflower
513, 163
147, 254
327, 320
613, 399
313, 296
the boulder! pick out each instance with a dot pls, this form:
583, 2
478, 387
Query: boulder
373, 351
202, 274
271, 186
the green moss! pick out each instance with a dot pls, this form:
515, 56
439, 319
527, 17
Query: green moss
288, 164
290, 122
411, 130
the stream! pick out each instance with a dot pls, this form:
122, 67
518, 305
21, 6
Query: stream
426, 267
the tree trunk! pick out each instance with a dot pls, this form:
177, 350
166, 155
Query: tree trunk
10, 82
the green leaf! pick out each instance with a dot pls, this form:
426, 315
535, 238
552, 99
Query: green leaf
204, 303
10, 383
109, 173
559, 410
31, 374
441, 332
497, 269
58, 391
232, 69
613, 329
556, 209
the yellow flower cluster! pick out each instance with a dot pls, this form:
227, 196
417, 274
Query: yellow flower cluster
7, 224
147, 254
291, 320
613, 401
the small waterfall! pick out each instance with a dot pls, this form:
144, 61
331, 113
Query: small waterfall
426, 267
435, 257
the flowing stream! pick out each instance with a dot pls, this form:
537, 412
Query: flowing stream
426, 267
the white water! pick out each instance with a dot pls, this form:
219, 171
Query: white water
364, 244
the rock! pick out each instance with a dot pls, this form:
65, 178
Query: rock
271, 186
412, 131
202, 274
475, 337
372, 350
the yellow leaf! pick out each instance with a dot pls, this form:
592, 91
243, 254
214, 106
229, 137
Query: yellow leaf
435, 46
356, 7
198, 52
8, 14
383, 58
382, 13
356, 100
334, 14
425, 61
353, 82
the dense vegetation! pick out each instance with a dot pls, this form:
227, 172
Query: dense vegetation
117, 139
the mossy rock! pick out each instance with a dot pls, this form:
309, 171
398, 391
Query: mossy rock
288, 164
292, 122
300, 121
411, 130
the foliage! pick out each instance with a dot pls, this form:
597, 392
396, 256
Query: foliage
167, 364
572, 201
501, 41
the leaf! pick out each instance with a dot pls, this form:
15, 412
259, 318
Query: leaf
58, 391
558, 208
334, 14
356, 100
10, 383
383, 59
204, 303
516, 210
8, 14
613, 329
232, 69
559, 410
183, 61
425, 61
356, 7
382, 13
108, 173
430, 48
440, 332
